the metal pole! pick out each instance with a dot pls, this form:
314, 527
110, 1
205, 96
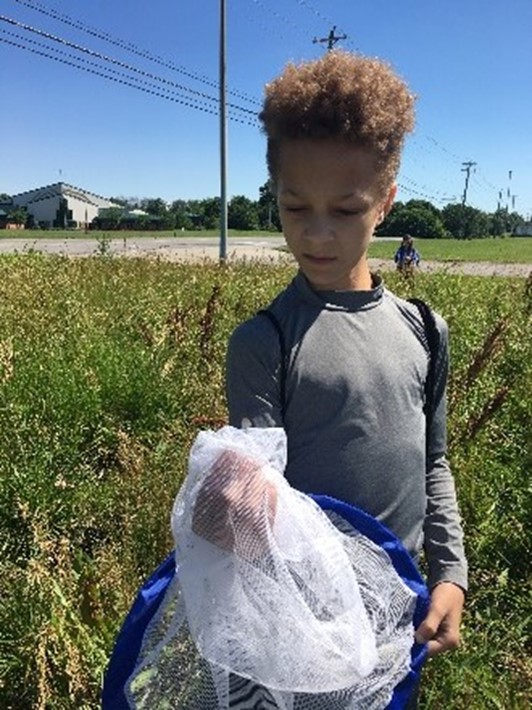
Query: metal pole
223, 134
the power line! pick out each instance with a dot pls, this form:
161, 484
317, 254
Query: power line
128, 46
422, 190
108, 59
443, 148
282, 18
265, 28
127, 82
81, 60
314, 10
425, 196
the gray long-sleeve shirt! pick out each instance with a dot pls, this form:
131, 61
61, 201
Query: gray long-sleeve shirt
356, 367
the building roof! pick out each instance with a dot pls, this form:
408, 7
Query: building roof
61, 189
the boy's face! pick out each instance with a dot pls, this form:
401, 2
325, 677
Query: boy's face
330, 203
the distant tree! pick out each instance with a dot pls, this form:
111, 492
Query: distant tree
423, 205
152, 222
242, 213
195, 213
416, 217
384, 228
515, 220
499, 223
122, 201
210, 211
4, 197
267, 209
108, 218
181, 211
465, 222
156, 206
18, 215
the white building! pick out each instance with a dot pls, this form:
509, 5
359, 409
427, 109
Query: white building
61, 205
523, 230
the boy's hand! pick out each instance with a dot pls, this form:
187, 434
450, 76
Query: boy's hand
441, 628
236, 505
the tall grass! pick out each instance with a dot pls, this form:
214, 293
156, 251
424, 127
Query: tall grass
108, 368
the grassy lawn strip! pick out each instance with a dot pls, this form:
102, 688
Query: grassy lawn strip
30, 234
511, 250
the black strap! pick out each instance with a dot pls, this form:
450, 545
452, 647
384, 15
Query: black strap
283, 366
433, 341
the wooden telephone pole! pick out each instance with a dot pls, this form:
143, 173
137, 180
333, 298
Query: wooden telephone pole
331, 39
467, 170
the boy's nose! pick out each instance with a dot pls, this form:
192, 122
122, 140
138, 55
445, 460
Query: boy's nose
318, 229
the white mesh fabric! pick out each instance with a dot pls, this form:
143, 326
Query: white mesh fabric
276, 604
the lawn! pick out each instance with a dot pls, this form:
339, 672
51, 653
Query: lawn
128, 234
507, 250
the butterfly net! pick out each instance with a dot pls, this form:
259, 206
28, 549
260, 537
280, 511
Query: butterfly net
276, 603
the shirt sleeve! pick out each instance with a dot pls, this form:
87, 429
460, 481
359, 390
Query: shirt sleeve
443, 535
253, 375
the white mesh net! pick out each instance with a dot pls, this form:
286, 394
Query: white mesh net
276, 604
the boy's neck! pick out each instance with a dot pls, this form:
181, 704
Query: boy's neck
361, 279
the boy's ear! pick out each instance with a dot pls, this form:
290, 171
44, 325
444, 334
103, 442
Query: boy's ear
387, 202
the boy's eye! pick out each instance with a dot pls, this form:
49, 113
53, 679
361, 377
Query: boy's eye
347, 213
292, 209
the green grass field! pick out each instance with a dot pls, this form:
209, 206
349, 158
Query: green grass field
118, 234
109, 368
508, 250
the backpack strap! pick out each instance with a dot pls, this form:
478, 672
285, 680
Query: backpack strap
283, 365
433, 341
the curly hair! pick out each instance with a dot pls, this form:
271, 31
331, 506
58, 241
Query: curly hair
343, 96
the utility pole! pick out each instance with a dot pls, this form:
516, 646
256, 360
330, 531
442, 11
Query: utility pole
331, 39
467, 170
223, 134
508, 193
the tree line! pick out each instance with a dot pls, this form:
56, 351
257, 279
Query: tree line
419, 218
243, 213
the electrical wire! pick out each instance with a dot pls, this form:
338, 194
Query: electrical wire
130, 47
106, 58
285, 21
189, 102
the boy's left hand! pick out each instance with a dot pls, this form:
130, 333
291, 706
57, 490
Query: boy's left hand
441, 628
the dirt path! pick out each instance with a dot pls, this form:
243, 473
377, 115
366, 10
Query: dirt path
264, 253
467, 268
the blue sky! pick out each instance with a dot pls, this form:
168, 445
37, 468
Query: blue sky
469, 62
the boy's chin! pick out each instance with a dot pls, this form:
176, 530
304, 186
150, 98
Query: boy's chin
354, 280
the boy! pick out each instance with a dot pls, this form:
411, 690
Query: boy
356, 364
407, 256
